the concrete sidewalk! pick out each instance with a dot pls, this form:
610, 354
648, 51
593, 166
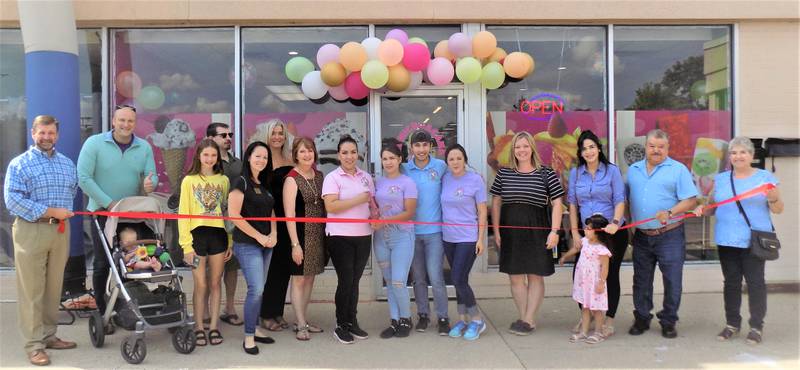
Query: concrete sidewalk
548, 347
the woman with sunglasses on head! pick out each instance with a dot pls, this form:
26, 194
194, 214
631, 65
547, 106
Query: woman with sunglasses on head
596, 187
347, 192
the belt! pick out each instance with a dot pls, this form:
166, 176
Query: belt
48, 220
661, 230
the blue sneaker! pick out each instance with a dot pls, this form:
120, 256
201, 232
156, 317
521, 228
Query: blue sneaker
458, 329
474, 330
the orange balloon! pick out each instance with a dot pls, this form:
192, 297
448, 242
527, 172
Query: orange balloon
531, 62
441, 50
353, 55
516, 65
333, 74
498, 55
483, 44
399, 78
390, 52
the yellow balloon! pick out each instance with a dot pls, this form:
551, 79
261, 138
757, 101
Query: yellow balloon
399, 78
353, 55
333, 74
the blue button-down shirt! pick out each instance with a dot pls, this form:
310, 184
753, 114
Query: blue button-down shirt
596, 194
668, 184
429, 189
36, 182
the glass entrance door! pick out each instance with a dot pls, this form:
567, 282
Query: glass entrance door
440, 113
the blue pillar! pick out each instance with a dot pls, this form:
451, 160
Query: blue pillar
51, 87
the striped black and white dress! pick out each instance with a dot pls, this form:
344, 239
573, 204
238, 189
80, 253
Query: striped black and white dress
524, 203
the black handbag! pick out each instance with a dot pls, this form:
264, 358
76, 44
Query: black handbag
764, 245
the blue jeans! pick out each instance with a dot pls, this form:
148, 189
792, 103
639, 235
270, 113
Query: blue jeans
461, 256
427, 266
394, 249
254, 261
669, 251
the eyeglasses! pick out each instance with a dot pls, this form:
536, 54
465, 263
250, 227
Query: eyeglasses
225, 134
124, 106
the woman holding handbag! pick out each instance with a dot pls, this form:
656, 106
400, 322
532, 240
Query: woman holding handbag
736, 225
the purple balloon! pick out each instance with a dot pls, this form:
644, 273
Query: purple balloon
327, 53
398, 35
440, 71
460, 45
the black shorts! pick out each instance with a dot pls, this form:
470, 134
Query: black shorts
208, 241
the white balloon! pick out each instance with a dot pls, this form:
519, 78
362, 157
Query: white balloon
371, 44
313, 87
416, 80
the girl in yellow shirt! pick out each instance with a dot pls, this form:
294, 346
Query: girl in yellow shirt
204, 191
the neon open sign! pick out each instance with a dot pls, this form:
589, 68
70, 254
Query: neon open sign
542, 106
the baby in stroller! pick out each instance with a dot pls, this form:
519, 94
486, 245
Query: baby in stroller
138, 256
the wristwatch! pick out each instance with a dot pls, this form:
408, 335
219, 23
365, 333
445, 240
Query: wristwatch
615, 221
669, 212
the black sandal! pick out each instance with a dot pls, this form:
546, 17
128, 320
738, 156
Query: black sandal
200, 335
214, 334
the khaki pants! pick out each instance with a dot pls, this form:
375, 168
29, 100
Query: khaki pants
40, 254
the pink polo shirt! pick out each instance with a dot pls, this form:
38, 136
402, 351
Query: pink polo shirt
348, 187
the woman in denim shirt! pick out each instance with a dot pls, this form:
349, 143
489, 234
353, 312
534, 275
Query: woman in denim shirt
596, 187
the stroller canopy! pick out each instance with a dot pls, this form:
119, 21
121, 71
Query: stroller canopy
135, 204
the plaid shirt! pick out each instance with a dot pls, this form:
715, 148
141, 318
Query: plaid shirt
36, 181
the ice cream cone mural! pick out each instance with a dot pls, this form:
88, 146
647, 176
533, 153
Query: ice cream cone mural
173, 142
328, 139
709, 157
565, 145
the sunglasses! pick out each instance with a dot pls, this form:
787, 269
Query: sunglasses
124, 106
225, 134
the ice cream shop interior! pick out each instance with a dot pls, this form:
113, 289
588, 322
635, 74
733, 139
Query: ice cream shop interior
468, 72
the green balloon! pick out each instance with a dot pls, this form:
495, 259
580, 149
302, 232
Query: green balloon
374, 74
493, 75
151, 97
417, 40
468, 70
297, 68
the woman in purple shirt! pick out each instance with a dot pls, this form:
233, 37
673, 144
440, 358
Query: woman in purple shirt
396, 198
596, 187
463, 203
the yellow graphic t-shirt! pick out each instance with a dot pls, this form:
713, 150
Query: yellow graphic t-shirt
201, 195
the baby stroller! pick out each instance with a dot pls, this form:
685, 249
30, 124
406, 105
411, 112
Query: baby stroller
132, 304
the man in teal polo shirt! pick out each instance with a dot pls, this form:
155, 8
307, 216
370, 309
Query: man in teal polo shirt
111, 166
427, 173
659, 187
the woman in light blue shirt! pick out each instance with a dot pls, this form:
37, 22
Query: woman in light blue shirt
732, 236
596, 187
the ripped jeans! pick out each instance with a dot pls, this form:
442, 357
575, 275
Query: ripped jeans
394, 250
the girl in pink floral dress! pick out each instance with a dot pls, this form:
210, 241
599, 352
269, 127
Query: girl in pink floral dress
589, 283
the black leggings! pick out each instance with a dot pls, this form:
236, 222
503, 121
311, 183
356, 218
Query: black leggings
274, 298
349, 255
100, 266
619, 244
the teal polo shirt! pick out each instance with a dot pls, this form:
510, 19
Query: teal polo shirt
669, 183
429, 190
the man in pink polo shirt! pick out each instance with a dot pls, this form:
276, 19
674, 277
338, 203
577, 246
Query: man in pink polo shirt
347, 192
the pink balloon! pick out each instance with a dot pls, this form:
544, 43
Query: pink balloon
398, 35
355, 87
440, 71
338, 92
415, 57
326, 54
460, 45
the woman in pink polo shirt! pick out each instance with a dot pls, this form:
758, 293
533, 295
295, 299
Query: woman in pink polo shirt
347, 192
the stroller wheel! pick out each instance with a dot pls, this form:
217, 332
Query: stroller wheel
133, 350
184, 340
96, 331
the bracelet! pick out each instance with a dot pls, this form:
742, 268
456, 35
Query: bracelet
295, 245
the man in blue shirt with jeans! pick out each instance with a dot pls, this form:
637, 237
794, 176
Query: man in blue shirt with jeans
659, 187
427, 173
39, 189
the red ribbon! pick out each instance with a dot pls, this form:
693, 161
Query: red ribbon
170, 216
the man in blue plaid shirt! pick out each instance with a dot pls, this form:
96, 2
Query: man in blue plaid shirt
39, 189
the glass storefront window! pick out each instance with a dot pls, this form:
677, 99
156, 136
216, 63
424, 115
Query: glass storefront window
268, 94
13, 116
180, 80
678, 79
565, 95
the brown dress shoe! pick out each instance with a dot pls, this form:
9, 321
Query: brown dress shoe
57, 343
39, 358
